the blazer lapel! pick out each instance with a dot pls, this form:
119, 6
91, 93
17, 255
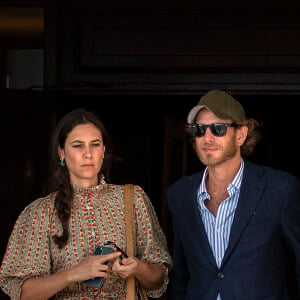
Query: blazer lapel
250, 194
193, 213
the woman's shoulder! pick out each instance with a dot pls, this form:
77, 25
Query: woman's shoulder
121, 187
41, 204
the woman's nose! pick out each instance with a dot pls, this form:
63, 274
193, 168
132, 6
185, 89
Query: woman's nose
87, 152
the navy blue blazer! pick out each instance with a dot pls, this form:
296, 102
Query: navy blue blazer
265, 236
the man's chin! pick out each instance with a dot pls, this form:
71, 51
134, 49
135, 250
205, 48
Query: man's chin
209, 161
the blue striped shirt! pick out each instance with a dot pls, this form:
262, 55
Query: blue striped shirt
218, 228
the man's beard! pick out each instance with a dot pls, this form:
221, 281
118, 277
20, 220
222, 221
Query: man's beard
211, 160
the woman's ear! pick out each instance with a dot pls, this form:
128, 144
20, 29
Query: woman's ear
61, 153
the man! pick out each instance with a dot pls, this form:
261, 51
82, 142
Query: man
236, 225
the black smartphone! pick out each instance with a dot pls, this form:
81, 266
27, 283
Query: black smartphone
99, 250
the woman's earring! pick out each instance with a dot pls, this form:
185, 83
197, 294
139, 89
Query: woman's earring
62, 163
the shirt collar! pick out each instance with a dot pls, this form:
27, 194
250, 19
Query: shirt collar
232, 187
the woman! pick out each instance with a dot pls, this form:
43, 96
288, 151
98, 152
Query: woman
50, 251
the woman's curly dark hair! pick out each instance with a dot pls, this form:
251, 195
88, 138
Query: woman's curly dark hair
61, 180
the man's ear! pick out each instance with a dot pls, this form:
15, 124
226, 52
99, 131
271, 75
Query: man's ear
241, 136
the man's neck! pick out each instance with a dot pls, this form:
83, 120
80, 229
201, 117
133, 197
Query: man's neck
220, 176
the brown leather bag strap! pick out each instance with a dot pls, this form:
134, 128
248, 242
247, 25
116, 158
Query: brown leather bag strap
128, 203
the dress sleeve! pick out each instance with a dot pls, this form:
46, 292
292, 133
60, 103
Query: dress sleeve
28, 252
150, 239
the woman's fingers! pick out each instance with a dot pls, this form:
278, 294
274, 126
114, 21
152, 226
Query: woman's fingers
94, 266
125, 268
108, 257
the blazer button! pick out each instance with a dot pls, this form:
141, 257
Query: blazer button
220, 275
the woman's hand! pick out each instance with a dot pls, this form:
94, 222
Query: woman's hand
46, 287
93, 266
149, 275
127, 267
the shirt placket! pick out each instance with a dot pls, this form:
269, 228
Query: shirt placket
90, 220
218, 236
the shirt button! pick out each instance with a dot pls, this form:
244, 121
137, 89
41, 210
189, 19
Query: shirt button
220, 275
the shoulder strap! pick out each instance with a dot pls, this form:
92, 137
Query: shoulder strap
128, 203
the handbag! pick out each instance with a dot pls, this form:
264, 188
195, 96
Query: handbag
131, 283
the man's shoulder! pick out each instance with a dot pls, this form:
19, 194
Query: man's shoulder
189, 180
182, 191
263, 171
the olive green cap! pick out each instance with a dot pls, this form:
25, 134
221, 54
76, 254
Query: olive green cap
221, 104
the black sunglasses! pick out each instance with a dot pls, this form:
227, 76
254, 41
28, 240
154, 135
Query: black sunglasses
124, 255
217, 129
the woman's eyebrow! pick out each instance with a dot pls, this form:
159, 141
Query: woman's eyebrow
82, 142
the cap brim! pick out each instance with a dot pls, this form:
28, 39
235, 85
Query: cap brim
193, 113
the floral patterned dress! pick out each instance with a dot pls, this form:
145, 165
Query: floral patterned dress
97, 216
